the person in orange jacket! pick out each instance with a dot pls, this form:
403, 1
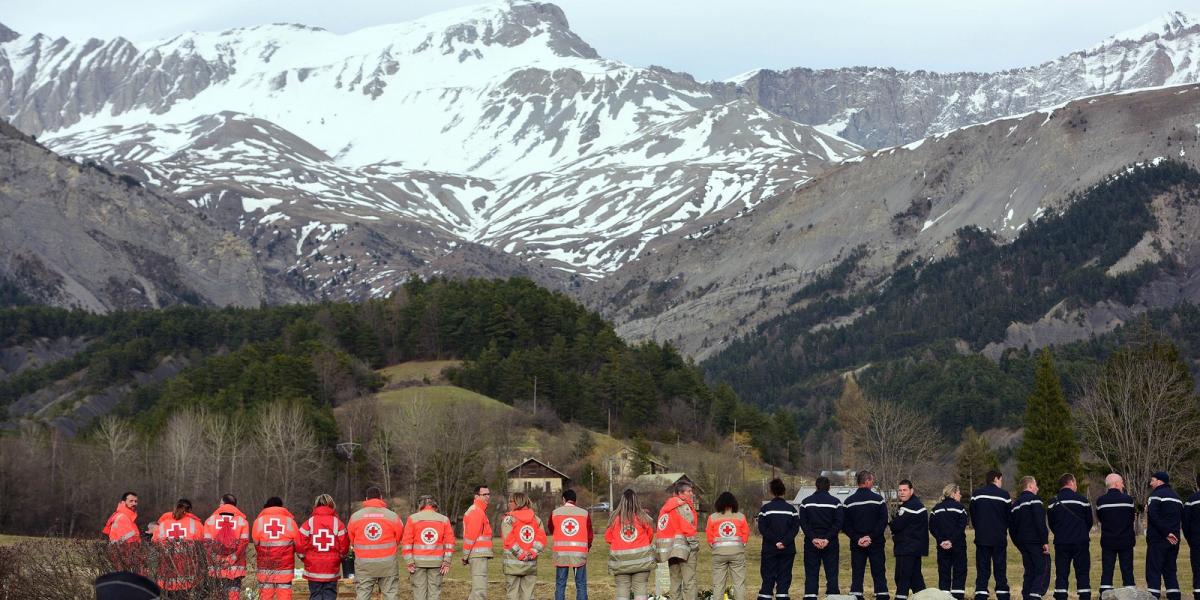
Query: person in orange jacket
228, 533
630, 537
428, 547
524, 539
274, 534
175, 536
727, 532
121, 529
375, 533
676, 538
477, 542
323, 543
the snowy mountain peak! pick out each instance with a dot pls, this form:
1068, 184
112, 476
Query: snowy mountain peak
7, 35
1170, 25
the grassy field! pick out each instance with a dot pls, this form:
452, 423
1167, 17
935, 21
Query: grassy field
600, 584
429, 371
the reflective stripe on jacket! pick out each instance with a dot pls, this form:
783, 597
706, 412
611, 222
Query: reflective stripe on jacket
227, 526
676, 537
727, 533
428, 539
571, 527
322, 544
630, 546
122, 527
274, 534
375, 533
178, 567
523, 534
477, 532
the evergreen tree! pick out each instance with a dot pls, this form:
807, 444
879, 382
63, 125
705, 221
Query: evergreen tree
974, 461
1049, 448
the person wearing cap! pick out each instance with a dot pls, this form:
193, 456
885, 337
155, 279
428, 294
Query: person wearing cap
1163, 515
1116, 513
1070, 516
123, 585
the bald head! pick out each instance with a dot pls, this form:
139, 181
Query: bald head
1114, 482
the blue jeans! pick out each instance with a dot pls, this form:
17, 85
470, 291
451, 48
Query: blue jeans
560, 582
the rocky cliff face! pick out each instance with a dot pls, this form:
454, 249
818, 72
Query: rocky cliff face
706, 285
78, 236
877, 107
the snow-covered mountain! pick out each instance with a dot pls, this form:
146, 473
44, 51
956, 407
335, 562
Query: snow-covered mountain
353, 160
878, 107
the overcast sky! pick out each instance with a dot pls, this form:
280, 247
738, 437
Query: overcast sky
711, 39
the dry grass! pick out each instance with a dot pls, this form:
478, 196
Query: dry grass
417, 372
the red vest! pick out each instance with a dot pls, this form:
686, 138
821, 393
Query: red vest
177, 568
323, 543
572, 527
274, 536
227, 527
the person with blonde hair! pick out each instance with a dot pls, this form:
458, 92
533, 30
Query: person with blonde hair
948, 525
323, 543
630, 537
524, 538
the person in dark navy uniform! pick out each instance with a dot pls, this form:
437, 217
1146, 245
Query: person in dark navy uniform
1163, 516
778, 522
866, 518
1116, 512
1070, 516
1191, 531
910, 540
948, 525
1027, 527
989, 517
821, 516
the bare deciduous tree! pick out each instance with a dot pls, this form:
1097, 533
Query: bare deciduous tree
181, 446
1139, 415
884, 436
287, 446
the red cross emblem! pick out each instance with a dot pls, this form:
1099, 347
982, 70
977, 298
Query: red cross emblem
373, 531
323, 540
570, 526
727, 529
663, 521
273, 528
527, 534
176, 530
429, 535
225, 522
629, 533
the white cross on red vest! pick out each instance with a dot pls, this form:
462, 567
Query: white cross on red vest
273, 528
176, 530
323, 540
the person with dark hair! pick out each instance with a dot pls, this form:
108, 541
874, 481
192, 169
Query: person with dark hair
910, 540
524, 540
1191, 531
274, 534
571, 528
630, 537
228, 532
477, 542
375, 532
779, 523
989, 517
1027, 526
1070, 516
428, 548
323, 542
676, 538
1163, 516
821, 519
866, 518
1116, 512
122, 532
948, 524
175, 535
727, 533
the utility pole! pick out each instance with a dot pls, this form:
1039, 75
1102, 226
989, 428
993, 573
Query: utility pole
611, 500
535, 395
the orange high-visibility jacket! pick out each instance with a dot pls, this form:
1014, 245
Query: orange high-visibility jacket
122, 526
571, 527
177, 568
630, 546
477, 532
727, 533
322, 544
230, 531
375, 534
428, 539
275, 533
523, 536
676, 535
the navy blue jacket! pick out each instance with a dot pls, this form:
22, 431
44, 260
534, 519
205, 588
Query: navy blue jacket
948, 521
1070, 517
821, 517
1116, 513
1027, 526
778, 521
1191, 519
866, 514
989, 515
910, 529
1162, 514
